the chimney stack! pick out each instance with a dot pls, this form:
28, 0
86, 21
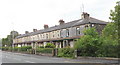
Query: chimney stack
26, 32
61, 22
46, 26
85, 15
34, 30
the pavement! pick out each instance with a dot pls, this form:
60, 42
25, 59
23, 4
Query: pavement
10, 57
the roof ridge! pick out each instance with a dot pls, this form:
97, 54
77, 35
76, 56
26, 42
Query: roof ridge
97, 19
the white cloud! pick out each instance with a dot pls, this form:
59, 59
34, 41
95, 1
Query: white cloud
29, 14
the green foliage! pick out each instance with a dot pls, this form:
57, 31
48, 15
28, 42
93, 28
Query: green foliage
50, 45
66, 52
9, 40
41, 47
5, 42
89, 43
108, 51
44, 50
24, 48
110, 31
10, 48
91, 31
5, 48
115, 14
16, 48
111, 36
109, 41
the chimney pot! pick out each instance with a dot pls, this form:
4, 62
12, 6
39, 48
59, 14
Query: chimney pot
46, 26
85, 15
34, 30
61, 21
26, 32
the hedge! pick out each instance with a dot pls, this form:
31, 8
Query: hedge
65, 52
25, 48
5, 48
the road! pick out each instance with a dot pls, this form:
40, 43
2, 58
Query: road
10, 57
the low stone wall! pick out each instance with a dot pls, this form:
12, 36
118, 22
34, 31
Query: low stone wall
44, 54
101, 58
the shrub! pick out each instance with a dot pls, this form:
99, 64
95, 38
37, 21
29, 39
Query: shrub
24, 48
44, 50
5, 48
16, 48
108, 51
41, 47
65, 52
10, 48
50, 45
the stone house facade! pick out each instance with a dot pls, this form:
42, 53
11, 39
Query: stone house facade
61, 35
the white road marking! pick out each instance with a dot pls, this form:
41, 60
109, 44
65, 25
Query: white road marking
17, 59
29, 62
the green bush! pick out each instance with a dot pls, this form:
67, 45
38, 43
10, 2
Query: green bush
5, 48
65, 52
24, 48
108, 51
10, 48
16, 48
50, 45
41, 47
44, 50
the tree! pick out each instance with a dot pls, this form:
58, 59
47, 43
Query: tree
110, 35
89, 43
110, 32
115, 14
9, 40
115, 17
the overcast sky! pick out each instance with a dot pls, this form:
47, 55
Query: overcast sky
24, 15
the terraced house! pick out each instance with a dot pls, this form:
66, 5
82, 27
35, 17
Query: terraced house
61, 35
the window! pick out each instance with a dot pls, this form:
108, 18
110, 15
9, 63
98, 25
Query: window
61, 33
86, 26
78, 31
53, 33
58, 33
43, 36
67, 31
46, 36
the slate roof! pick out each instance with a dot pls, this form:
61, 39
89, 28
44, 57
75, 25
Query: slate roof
66, 25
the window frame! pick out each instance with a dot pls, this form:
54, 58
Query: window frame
78, 31
67, 33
